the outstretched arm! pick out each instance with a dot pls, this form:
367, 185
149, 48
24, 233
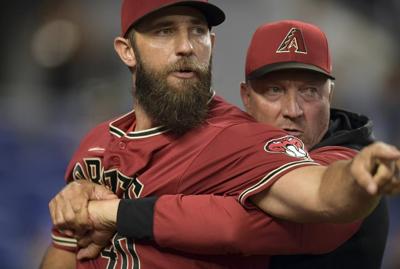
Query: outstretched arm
213, 225
342, 192
220, 225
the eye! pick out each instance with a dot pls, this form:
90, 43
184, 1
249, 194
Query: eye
199, 30
164, 31
273, 91
309, 92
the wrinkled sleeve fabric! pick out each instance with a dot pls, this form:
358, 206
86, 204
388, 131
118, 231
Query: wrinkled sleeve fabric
208, 224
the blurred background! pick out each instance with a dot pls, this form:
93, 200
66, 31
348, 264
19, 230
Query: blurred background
59, 76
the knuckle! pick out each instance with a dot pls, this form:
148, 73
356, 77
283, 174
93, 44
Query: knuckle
52, 215
72, 187
75, 183
81, 226
58, 223
51, 205
379, 144
82, 222
69, 219
76, 207
353, 168
61, 196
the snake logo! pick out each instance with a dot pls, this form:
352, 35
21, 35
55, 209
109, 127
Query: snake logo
288, 145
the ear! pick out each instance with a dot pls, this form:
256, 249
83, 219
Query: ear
245, 95
125, 51
332, 87
212, 37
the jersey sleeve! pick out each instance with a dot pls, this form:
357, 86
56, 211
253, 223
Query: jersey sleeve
209, 224
329, 154
63, 242
243, 160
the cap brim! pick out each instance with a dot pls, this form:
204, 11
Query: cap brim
286, 66
213, 14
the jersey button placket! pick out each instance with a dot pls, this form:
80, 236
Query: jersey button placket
116, 160
122, 145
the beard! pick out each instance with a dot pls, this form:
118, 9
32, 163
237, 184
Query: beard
179, 108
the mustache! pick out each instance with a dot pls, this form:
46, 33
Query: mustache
187, 64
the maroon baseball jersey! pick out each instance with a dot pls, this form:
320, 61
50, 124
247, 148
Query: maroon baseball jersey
230, 154
246, 232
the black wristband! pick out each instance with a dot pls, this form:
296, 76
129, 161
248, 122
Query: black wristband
135, 218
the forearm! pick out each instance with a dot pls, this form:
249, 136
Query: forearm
55, 258
209, 224
343, 198
317, 194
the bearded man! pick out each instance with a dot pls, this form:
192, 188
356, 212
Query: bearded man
182, 139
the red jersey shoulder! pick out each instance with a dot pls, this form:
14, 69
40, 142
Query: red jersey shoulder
234, 122
272, 140
236, 159
223, 114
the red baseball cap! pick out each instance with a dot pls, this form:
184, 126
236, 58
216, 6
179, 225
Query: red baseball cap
288, 44
134, 10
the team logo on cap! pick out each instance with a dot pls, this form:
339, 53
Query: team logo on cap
288, 145
293, 41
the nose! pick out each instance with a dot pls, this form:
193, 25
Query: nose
292, 108
184, 45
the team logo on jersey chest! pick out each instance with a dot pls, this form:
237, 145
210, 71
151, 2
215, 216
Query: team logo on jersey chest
288, 145
122, 185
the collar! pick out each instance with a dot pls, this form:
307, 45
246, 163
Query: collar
120, 126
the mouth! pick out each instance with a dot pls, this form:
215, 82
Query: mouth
184, 73
294, 132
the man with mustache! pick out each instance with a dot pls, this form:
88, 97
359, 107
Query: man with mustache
131, 158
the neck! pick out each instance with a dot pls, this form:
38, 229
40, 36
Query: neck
143, 121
